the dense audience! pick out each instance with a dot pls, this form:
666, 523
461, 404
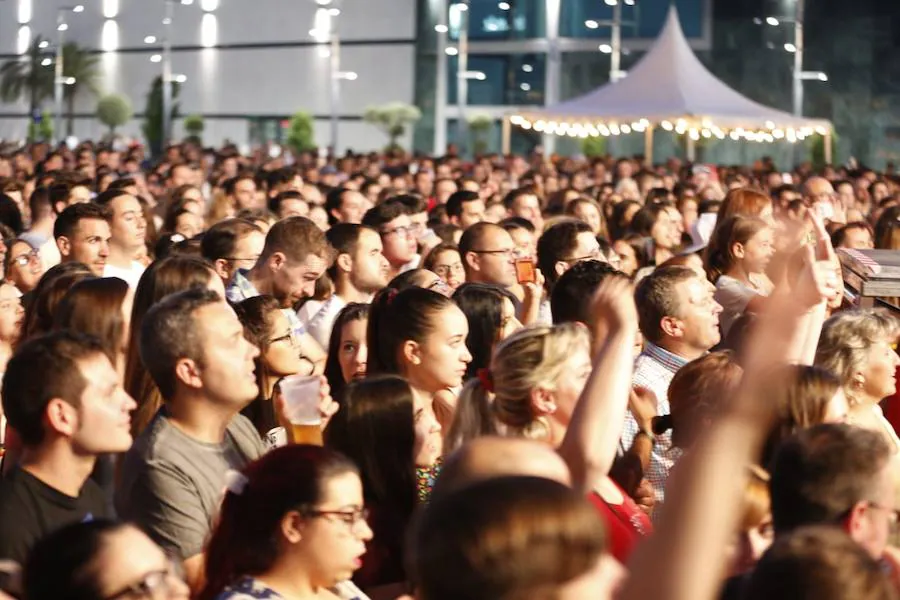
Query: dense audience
384, 376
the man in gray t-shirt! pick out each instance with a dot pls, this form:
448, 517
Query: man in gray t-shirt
172, 484
173, 478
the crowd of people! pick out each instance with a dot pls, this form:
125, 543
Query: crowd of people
537, 377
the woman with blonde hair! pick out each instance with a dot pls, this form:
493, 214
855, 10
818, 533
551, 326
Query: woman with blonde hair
858, 346
542, 384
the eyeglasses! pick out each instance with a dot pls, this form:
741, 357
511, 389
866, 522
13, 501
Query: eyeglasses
893, 513
440, 286
595, 255
507, 252
24, 259
349, 517
446, 270
237, 259
402, 231
288, 337
155, 584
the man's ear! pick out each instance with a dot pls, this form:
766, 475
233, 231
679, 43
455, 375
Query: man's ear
64, 246
62, 417
188, 372
672, 326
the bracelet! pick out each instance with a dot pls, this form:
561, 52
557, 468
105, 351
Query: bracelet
648, 434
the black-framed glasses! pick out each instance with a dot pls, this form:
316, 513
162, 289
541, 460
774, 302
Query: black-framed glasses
154, 584
349, 517
507, 252
595, 255
402, 231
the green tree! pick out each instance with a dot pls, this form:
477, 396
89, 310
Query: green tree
393, 119
41, 130
594, 146
194, 125
114, 111
26, 78
153, 114
83, 67
479, 128
300, 135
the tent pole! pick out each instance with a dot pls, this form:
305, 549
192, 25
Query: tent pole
506, 134
648, 146
828, 157
691, 149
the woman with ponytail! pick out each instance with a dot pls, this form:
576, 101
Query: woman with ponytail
292, 525
542, 384
420, 335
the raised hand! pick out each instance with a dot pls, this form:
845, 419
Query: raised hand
613, 306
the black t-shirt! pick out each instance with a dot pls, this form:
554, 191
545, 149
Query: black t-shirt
30, 509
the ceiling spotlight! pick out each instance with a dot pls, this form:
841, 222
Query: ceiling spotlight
605, 48
78, 8
441, 28
527, 68
150, 39
156, 58
503, 6
451, 51
46, 62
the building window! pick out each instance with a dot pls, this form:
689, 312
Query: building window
500, 20
509, 79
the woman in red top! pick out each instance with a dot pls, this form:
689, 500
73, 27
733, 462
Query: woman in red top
542, 384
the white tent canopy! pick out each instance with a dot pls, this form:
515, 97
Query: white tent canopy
669, 87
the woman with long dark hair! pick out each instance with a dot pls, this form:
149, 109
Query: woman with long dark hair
396, 442
491, 312
100, 307
292, 525
39, 313
267, 328
163, 277
347, 349
420, 335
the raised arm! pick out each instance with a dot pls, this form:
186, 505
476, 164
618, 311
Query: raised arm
687, 553
592, 437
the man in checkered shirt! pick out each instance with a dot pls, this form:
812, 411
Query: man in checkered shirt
680, 322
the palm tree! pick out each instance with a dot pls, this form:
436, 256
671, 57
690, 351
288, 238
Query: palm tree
81, 65
26, 78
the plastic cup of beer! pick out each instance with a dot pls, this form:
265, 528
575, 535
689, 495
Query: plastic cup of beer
301, 400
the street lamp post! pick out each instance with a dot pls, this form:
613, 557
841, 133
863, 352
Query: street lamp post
462, 69
167, 74
615, 62
440, 84
334, 72
798, 60
58, 79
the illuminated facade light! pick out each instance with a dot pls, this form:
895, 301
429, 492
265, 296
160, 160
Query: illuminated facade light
110, 8
23, 39
155, 58
25, 12
209, 5
109, 36
209, 30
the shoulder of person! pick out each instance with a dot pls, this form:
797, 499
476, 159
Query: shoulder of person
246, 437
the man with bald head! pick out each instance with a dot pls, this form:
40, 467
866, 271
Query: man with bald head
492, 456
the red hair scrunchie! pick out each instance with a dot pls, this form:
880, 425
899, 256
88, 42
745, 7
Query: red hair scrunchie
487, 382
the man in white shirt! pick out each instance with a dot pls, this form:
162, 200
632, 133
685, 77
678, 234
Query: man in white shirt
680, 321
359, 270
128, 230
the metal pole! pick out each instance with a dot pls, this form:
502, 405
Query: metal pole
798, 60
58, 75
616, 43
334, 69
462, 82
648, 147
440, 85
554, 68
506, 141
167, 75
